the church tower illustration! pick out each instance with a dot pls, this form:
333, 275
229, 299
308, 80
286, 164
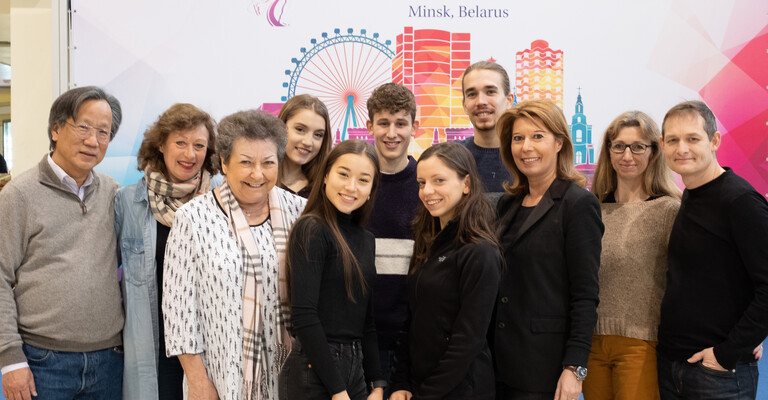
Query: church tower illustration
581, 134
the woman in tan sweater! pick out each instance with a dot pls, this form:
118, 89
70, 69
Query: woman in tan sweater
639, 202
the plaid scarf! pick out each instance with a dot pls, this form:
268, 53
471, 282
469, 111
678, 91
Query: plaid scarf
166, 197
260, 374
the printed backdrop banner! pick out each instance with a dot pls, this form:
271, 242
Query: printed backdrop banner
596, 59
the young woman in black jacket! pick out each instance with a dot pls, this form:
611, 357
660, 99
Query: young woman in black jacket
452, 284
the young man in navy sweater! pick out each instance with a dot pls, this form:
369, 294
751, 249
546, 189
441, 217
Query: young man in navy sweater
392, 122
486, 95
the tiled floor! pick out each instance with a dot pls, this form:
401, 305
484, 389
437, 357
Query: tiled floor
762, 387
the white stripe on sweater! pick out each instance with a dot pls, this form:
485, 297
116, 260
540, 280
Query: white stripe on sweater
393, 256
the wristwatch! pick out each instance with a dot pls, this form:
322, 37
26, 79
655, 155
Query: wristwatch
579, 371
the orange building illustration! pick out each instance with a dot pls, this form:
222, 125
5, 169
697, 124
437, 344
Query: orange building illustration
430, 63
539, 73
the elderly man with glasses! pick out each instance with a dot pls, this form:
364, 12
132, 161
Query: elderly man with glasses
60, 307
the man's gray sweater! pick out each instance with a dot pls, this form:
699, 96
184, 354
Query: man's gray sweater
58, 266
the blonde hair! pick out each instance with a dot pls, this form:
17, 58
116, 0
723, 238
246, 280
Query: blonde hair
547, 114
657, 178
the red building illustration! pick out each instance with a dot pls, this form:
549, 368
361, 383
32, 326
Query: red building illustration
430, 63
539, 73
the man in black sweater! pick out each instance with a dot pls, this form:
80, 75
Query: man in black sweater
715, 308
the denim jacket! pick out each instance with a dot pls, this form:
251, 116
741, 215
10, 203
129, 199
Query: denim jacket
136, 231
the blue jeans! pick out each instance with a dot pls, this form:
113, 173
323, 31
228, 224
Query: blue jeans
66, 376
682, 380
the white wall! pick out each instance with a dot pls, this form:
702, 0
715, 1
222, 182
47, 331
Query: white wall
32, 44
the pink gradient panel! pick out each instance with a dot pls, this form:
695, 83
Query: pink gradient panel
738, 96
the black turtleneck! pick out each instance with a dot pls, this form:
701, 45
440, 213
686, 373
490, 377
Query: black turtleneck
321, 311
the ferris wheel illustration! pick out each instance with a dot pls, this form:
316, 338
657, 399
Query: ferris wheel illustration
342, 70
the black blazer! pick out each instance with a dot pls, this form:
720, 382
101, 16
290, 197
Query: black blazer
547, 304
445, 353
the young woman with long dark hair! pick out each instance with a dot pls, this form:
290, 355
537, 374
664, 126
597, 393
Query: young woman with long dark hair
452, 283
331, 271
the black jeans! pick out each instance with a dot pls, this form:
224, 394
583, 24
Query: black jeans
170, 378
299, 381
385, 357
681, 380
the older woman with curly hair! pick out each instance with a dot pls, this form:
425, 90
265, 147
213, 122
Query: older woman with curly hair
177, 157
225, 296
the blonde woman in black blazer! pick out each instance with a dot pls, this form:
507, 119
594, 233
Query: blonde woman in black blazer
550, 231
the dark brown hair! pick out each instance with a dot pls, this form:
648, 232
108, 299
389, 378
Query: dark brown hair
312, 103
392, 97
180, 117
546, 114
491, 66
474, 212
320, 208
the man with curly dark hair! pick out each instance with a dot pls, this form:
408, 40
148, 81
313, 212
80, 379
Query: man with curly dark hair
392, 113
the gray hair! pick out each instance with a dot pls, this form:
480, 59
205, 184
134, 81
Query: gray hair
691, 108
68, 106
251, 125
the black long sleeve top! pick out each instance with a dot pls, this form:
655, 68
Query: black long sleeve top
717, 282
321, 311
451, 298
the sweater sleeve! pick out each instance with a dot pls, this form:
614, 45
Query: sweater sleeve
13, 244
749, 226
673, 207
401, 365
370, 343
180, 274
583, 236
307, 263
478, 286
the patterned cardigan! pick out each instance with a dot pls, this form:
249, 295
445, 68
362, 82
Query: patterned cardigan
202, 289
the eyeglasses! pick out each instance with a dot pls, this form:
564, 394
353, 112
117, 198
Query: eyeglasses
635, 148
84, 132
